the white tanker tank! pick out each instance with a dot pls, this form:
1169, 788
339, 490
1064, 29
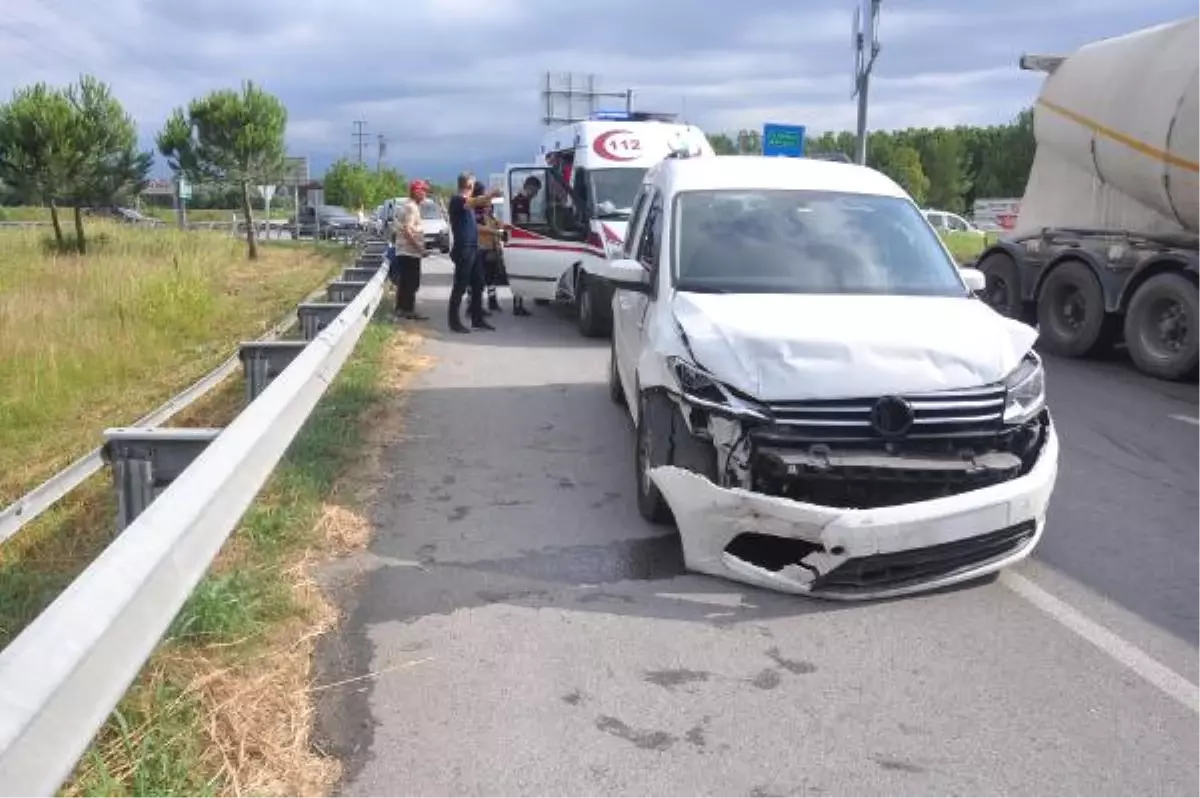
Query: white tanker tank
1105, 245
1116, 129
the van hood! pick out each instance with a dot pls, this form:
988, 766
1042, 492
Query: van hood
432, 226
780, 347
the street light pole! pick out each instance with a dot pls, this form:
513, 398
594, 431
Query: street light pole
865, 52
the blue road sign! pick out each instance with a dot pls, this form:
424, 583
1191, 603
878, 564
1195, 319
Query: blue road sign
785, 141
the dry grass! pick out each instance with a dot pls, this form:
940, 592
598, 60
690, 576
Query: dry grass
225, 706
30, 213
97, 341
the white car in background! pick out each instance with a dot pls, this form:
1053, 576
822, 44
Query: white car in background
944, 221
821, 403
434, 222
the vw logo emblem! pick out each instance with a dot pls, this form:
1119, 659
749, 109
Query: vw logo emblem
892, 417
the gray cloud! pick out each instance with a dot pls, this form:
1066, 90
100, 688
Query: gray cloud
455, 82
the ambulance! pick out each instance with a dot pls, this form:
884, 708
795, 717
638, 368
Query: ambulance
574, 202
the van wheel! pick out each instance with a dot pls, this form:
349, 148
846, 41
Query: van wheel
653, 450
1072, 321
663, 439
616, 391
1161, 327
1003, 291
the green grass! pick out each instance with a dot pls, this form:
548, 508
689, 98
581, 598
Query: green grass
26, 213
965, 247
97, 341
213, 672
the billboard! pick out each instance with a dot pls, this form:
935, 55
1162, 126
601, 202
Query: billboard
786, 141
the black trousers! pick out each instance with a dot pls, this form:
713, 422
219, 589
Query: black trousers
468, 274
407, 276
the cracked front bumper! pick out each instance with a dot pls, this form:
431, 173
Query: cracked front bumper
859, 554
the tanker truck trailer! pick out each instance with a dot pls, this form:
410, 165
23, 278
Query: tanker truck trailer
1105, 244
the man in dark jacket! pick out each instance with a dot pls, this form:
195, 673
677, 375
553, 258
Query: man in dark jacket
465, 254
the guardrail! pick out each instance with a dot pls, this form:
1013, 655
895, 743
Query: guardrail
181, 493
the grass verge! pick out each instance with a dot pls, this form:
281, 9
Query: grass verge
224, 707
31, 213
96, 341
965, 247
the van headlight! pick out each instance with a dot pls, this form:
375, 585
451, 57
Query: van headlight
1026, 390
701, 389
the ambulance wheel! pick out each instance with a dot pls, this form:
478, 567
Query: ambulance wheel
595, 316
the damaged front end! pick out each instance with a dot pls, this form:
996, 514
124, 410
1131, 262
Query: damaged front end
863, 497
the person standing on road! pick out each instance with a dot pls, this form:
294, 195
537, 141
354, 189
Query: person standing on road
409, 241
489, 250
465, 254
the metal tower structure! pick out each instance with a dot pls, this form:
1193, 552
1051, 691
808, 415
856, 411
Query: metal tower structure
568, 97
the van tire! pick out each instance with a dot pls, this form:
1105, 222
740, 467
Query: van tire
664, 439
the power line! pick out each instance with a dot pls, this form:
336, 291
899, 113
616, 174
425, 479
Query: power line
360, 133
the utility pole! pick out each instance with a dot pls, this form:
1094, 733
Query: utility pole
866, 49
381, 152
360, 133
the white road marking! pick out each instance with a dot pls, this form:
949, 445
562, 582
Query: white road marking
1121, 650
1186, 419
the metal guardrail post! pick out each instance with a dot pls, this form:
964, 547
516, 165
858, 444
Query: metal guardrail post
342, 291
144, 461
263, 361
357, 274
316, 316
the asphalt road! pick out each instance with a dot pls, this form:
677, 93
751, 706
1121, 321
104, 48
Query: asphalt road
516, 628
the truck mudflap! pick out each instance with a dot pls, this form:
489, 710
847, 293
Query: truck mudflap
849, 554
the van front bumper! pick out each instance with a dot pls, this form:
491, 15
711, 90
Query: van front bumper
853, 554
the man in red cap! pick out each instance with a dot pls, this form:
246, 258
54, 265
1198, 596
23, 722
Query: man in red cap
409, 239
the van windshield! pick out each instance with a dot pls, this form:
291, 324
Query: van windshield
807, 242
613, 191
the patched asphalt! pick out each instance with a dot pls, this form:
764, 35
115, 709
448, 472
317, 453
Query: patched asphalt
517, 628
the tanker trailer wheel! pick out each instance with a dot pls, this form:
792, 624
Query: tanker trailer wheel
1070, 313
1003, 291
1162, 327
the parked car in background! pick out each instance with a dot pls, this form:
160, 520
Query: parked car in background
325, 221
946, 222
435, 225
126, 215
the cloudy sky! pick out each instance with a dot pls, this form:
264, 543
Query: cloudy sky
454, 83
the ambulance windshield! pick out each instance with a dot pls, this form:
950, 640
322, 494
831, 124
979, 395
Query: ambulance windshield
613, 191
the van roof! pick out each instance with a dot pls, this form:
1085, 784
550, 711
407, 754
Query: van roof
759, 172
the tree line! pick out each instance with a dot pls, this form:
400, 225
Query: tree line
354, 185
76, 147
943, 168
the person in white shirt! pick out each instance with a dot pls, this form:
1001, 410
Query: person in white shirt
408, 238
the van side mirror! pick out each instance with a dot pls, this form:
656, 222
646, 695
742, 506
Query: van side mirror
625, 274
976, 280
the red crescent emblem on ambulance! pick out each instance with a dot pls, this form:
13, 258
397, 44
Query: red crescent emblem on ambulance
624, 149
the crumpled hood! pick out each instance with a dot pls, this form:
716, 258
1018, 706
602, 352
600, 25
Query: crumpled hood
778, 347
